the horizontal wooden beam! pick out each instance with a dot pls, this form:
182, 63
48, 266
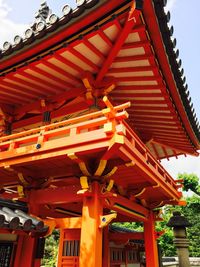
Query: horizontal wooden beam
53, 196
124, 237
127, 207
65, 223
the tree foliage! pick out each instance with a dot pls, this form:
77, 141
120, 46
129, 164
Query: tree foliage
166, 240
190, 182
51, 250
190, 211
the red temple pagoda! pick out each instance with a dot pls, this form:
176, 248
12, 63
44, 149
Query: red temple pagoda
89, 104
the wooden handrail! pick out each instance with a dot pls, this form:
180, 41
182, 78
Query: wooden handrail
75, 120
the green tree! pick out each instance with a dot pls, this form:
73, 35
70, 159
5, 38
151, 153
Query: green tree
190, 182
51, 250
166, 240
190, 211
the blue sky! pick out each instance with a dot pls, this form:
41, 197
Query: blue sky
16, 15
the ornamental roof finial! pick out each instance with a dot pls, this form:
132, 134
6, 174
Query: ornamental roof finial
43, 12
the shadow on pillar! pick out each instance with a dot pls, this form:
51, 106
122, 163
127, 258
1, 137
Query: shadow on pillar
159, 255
179, 224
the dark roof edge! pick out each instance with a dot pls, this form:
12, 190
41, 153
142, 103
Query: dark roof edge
33, 38
40, 33
175, 64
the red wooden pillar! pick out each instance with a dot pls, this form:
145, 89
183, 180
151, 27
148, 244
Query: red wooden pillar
106, 248
91, 234
60, 248
151, 250
37, 263
18, 250
25, 255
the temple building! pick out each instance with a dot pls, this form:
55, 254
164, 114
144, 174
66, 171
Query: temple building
90, 103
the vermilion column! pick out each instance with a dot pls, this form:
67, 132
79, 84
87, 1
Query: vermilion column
18, 250
91, 234
26, 253
151, 249
106, 248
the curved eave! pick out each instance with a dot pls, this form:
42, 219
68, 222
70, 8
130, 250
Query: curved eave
156, 20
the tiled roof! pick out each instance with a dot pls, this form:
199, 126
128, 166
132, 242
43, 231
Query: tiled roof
13, 217
43, 28
120, 229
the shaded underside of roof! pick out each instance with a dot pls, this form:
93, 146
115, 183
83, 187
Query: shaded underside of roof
50, 63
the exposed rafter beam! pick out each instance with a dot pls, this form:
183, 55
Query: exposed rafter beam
129, 24
176, 148
154, 69
148, 57
51, 102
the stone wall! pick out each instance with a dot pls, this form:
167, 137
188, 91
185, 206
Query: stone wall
173, 262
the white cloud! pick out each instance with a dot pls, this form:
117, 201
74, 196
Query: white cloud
170, 4
8, 28
183, 164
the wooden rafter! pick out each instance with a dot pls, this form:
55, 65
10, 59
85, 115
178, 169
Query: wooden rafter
129, 24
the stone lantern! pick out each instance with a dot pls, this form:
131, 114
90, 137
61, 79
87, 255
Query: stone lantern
179, 224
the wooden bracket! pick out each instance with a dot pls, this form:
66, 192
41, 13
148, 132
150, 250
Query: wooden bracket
101, 167
20, 190
110, 185
109, 89
22, 179
108, 188
106, 219
84, 185
109, 174
52, 225
82, 164
140, 193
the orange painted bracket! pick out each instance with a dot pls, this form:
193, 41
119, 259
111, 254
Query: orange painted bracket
51, 224
106, 219
63, 223
182, 203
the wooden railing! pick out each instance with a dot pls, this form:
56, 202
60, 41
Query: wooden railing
82, 134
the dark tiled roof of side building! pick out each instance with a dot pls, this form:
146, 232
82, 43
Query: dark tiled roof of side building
120, 229
14, 216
